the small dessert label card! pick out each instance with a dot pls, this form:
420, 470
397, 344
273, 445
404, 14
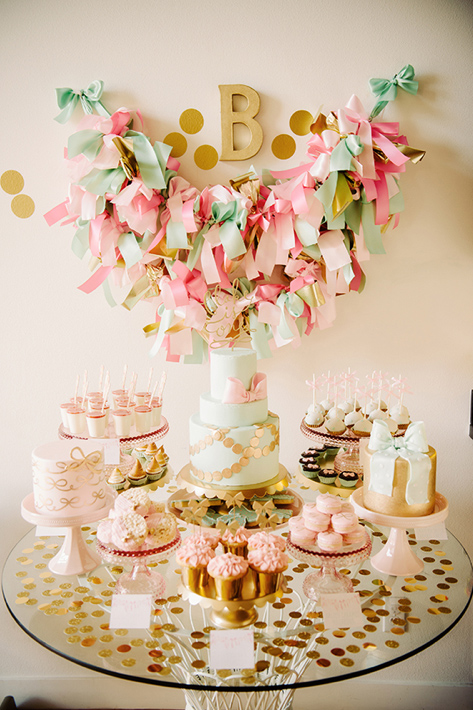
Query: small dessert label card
342, 610
111, 450
233, 649
130, 611
432, 532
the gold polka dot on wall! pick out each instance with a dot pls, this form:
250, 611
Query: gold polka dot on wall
178, 143
22, 206
206, 157
12, 182
283, 146
191, 121
300, 122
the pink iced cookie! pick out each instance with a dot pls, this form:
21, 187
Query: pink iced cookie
344, 522
315, 520
356, 537
129, 532
329, 541
104, 531
329, 504
135, 500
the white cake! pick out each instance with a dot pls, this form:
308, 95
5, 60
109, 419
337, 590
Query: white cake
68, 480
233, 443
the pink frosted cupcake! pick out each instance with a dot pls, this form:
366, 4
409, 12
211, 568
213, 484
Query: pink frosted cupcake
356, 537
329, 541
268, 564
328, 503
193, 560
344, 522
228, 571
205, 536
237, 542
300, 535
264, 539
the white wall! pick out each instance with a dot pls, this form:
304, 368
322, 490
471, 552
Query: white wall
414, 316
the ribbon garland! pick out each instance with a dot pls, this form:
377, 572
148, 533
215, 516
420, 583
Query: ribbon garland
278, 247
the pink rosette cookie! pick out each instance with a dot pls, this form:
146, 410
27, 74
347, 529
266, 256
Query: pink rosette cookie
300, 535
104, 531
264, 539
237, 542
344, 522
133, 501
129, 532
162, 529
228, 571
329, 541
268, 564
356, 537
193, 560
328, 503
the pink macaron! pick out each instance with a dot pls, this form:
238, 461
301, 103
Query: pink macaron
328, 503
329, 541
344, 522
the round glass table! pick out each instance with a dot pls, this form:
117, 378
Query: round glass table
403, 615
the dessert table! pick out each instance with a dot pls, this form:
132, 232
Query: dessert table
69, 615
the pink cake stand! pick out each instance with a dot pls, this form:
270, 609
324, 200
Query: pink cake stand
141, 580
396, 557
75, 556
328, 580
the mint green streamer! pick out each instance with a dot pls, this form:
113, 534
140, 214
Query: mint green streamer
260, 334
306, 233
88, 142
151, 163
348, 273
326, 192
99, 182
67, 100
386, 89
196, 249
295, 306
352, 216
129, 249
198, 350
80, 240
108, 294
234, 222
342, 154
166, 321
176, 236
371, 231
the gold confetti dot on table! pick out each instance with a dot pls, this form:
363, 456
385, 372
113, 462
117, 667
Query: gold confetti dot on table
128, 662
191, 121
198, 664
283, 146
105, 653
106, 638
358, 635
178, 143
136, 643
206, 157
337, 651
323, 662
261, 666
353, 649
165, 671
121, 632
322, 640
21, 600
339, 634
451, 580
369, 646
89, 641
174, 659
31, 602
348, 662
12, 182
445, 610
73, 639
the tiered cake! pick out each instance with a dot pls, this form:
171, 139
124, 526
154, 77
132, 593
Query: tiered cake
234, 440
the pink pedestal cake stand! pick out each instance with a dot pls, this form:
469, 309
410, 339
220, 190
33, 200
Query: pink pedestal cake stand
141, 580
396, 557
75, 556
328, 579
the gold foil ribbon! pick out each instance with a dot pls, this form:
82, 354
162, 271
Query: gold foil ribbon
127, 157
312, 295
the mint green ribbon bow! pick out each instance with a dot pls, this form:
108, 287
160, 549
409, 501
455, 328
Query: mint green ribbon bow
386, 89
342, 154
68, 99
234, 222
413, 447
295, 306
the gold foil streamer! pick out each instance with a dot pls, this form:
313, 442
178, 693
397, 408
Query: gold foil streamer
312, 295
127, 157
415, 155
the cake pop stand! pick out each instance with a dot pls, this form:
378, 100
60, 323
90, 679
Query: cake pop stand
328, 579
140, 580
396, 557
75, 556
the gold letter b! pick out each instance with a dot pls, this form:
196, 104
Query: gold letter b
229, 117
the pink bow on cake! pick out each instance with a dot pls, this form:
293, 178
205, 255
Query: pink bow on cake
235, 392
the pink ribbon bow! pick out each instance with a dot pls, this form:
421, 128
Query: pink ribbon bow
235, 392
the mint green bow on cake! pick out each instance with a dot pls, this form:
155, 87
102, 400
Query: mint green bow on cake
412, 447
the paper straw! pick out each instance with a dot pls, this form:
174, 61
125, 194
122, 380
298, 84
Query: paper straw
106, 384
161, 386
101, 377
154, 390
84, 389
76, 390
105, 395
134, 377
125, 370
149, 379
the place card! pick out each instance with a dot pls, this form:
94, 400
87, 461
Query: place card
130, 611
233, 649
432, 532
111, 450
342, 610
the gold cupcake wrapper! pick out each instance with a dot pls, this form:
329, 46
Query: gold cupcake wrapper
196, 579
267, 582
228, 589
238, 548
